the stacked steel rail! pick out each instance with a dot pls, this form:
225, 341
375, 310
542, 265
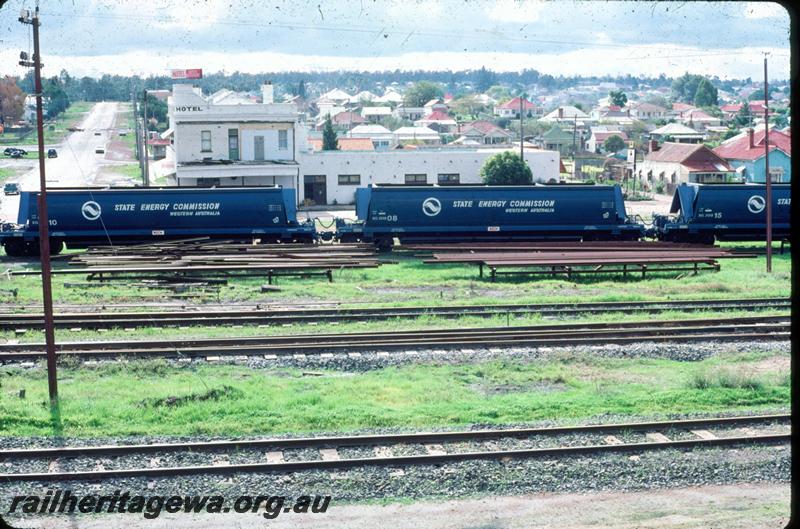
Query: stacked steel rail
418, 448
743, 328
206, 259
203, 315
636, 258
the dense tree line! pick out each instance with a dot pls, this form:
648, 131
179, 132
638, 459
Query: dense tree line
459, 83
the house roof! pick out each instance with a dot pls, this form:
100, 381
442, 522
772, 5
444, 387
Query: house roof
418, 132
675, 129
514, 104
438, 115
739, 149
647, 107
485, 128
699, 115
376, 111
557, 133
370, 129
570, 112
681, 107
345, 144
433, 102
695, 156
347, 117
604, 135
336, 95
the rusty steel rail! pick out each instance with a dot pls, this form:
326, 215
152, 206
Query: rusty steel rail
704, 439
758, 327
272, 315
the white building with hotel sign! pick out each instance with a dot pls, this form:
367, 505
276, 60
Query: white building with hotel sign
234, 142
237, 142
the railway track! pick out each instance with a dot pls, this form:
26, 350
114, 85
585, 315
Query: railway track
292, 454
744, 328
275, 316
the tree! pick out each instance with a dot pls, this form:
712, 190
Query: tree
617, 98
329, 141
421, 93
12, 100
705, 95
301, 89
57, 100
484, 79
684, 88
614, 143
157, 109
506, 168
744, 117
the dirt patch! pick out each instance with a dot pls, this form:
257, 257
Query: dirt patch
172, 401
119, 151
542, 386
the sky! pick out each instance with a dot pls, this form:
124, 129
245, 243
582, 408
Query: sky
561, 37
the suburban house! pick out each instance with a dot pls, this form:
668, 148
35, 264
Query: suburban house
234, 141
438, 121
416, 136
700, 119
434, 105
381, 137
567, 114
557, 139
362, 96
375, 114
745, 153
410, 113
340, 97
676, 132
599, 135
485, 133
613, 114
343, 120
511, 108
646, 111
730, 110
675, 163
679, 109
391, 97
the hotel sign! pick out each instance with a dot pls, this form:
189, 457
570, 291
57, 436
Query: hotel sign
192, 73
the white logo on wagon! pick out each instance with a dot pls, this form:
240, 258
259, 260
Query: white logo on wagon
756, 204
91, 210
431, 207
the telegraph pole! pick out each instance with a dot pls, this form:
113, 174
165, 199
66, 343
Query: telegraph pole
521, 137
44, 236
144, 145
766, 169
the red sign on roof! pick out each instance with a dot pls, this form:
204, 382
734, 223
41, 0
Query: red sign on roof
192, 73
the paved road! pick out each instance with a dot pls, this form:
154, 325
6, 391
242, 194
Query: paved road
77, 164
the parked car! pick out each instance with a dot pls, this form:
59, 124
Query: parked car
11, 188
99, 149
52, 153
97, 133
15, 152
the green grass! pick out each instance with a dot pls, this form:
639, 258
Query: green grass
410, 282
155, 398
10, 173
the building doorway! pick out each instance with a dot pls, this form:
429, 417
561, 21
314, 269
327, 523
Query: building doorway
314, 190
258, 148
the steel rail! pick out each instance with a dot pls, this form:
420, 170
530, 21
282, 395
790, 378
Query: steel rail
288, 350
390, 461
434, 335
385, 439
276, 317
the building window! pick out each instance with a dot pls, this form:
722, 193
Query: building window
416, 179
349, 179
776, 174
449, 179
205, 141
233, 144
283, 140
